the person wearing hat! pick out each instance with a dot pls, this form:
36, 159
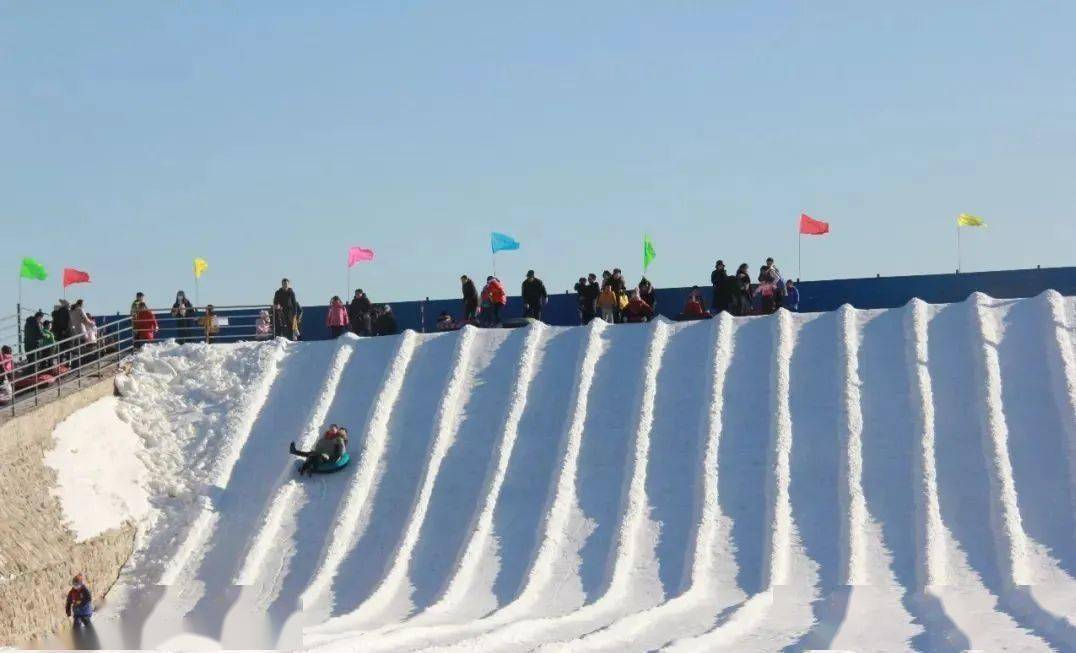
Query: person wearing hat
358, 313
721, 294
534, 295
79, 604
470, 299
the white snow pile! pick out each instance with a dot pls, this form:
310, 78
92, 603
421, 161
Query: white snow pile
887, 480
101, 479
187, 403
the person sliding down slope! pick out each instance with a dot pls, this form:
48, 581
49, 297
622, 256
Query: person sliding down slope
329, 449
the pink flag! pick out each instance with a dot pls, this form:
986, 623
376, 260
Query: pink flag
357, 254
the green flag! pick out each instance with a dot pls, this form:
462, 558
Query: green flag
31, 269
648, 252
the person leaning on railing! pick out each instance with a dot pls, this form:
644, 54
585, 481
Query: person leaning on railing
182, 311
145, 324
209, 323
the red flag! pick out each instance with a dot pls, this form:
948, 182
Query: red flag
812, 227
71, 275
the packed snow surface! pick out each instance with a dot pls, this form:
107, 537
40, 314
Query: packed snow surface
883, 480
101, 480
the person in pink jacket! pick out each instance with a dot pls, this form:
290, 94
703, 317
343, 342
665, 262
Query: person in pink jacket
337, 320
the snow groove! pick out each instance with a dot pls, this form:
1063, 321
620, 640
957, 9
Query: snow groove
1062, 364
853, 538
1007, 526
355, 507
457, 591
290, 492
389, 596
931, 532
779, 510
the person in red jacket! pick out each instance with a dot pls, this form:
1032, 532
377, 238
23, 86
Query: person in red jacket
637, 310
145, 323
79, 604
337, 319
493, 298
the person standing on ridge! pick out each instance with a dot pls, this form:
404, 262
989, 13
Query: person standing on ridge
648, 294
386, 322
792, 296
287, 311
587, 292
607, 302
493, 298
182, 310
79, 605
209, 323
534, 296
358, 313
140, 298
145, 324
336, 318
470, 299
717, 281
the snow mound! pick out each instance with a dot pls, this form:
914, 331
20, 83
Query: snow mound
893, 480
101, 480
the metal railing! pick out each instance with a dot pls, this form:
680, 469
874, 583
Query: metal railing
56, 368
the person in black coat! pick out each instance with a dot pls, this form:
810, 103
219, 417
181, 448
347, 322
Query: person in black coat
470, 299
730, 296
717, 281
183, 311
61, 324
586, 294
358, 313
286, 310
534, 295
386, 322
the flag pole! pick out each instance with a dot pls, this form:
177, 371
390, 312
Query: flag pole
494, 257
348, 295
799, 257
197, 302
958, 262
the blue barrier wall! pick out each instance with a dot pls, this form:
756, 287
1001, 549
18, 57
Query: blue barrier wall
873, 292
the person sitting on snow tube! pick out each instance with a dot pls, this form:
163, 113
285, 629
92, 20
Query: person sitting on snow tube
330, 449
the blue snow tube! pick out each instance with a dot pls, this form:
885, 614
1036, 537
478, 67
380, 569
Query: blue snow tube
332, 465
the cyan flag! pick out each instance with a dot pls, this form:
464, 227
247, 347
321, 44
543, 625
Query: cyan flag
500, 242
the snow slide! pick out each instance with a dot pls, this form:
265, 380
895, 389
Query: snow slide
883, 480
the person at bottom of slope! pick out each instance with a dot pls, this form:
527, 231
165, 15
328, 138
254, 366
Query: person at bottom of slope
79, 602
329, 449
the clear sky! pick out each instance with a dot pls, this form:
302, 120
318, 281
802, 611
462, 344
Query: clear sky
266, 137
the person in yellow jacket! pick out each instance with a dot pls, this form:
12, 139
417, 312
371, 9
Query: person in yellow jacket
607, 302
209, 323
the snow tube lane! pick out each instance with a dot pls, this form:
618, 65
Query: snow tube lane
411, 430
392, 600
710, 577
975, 578
517, 507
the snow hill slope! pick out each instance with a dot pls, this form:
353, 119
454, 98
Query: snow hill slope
884, 480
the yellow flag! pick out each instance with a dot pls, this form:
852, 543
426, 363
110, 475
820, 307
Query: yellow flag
965, 220
200, 266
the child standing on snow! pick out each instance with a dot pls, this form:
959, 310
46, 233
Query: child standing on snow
79, 602
337, 319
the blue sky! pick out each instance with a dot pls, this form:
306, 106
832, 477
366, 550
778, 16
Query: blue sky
266, 137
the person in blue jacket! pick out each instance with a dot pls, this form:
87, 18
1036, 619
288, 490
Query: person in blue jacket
792, 296
330, 448
79, 602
